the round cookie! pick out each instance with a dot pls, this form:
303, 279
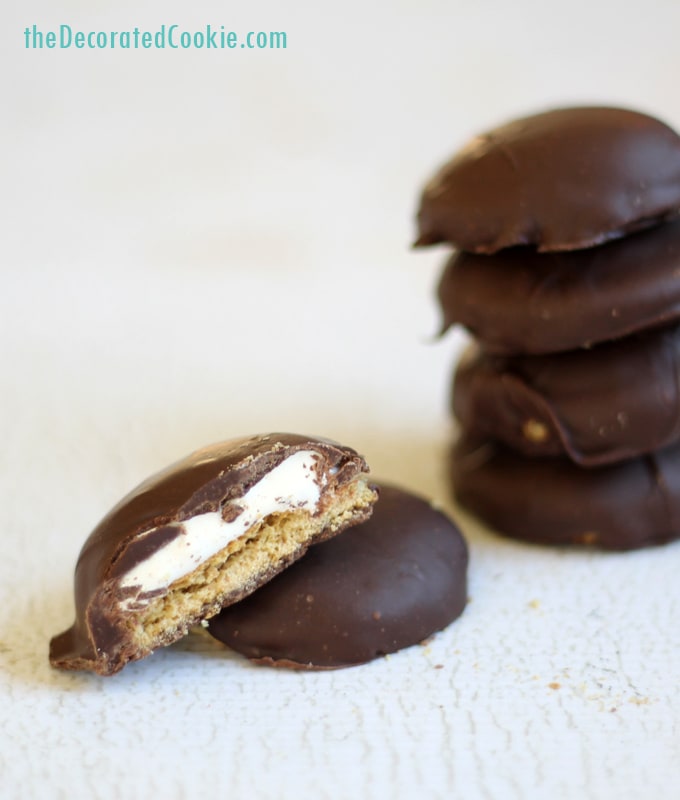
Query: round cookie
519, 301
561, 180
613, 402
624, 506
387, 584
203, 533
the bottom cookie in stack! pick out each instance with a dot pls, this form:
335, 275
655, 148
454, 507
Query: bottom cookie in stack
623, 506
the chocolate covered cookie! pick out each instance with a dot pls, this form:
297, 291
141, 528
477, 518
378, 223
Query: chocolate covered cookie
379, 587
203, 533
628, 505
596, 406
562, 180
519, 301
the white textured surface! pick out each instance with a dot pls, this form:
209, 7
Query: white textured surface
196, 247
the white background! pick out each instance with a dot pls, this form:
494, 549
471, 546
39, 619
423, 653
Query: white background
204, 244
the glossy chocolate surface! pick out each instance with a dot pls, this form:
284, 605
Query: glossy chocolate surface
203, 482
378, 587
522, 302
562, 180
598, 406
624, 506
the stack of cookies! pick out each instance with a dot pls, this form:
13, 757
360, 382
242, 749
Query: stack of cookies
567, 273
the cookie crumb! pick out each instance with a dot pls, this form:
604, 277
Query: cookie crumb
535, 431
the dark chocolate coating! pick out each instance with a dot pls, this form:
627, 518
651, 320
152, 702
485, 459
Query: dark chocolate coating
598, 406
624, 506
202, 482
518, 301
561, 180
386, 584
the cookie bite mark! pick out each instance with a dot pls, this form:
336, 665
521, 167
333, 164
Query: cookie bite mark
202, 534
290, 485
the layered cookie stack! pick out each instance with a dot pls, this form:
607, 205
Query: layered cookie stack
567, 273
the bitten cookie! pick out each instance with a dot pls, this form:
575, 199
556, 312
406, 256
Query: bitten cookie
598, 406
624, 506
379, 587
520, 301
561, 180
203, 533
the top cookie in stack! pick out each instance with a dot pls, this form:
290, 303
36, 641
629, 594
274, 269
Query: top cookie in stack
563, 180
567, 273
